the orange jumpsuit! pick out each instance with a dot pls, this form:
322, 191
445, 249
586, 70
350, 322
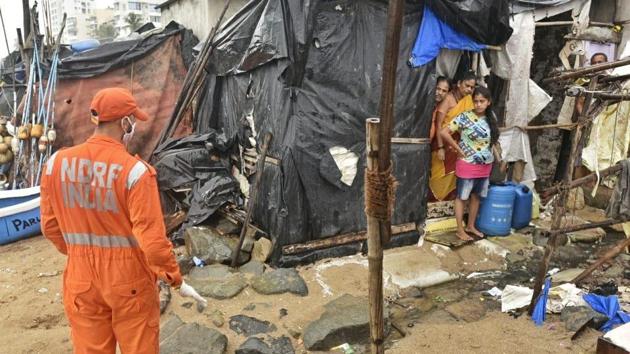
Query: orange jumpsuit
100, 206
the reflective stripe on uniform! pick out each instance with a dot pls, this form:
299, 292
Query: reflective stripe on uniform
50, 164
136, 172
99, 241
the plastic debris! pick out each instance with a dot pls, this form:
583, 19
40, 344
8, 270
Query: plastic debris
515, 297
609, 306
494, 292
347, 348
564, 295
540, 310
198, 262
42, 290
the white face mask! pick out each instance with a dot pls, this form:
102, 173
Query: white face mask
128, 134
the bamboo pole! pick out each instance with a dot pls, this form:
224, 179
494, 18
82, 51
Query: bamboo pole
375, 246
252, 197
572, 74
559, 209
608, 256
193, 82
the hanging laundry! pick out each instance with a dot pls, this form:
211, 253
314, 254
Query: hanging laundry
435, 34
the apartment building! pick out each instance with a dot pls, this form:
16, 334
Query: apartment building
80, 22
146, 9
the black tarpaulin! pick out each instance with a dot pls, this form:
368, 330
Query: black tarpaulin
485, 21
119, 54
310, 73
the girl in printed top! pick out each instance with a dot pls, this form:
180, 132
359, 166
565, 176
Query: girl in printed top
479, 133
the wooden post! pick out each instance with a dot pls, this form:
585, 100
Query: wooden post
375, 246
559, 209
378, 147
252, 197
26, 18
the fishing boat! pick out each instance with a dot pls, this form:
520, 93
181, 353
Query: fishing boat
19, 214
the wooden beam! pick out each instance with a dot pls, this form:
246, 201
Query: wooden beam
545, 194
575, 73
605, 258
339, 240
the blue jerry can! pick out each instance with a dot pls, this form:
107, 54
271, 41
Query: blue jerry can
522, 214
495, 212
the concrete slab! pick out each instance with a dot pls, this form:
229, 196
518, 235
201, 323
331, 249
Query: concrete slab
417, 266
566, 275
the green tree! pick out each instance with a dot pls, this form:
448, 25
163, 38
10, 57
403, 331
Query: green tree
106, 31
134, 21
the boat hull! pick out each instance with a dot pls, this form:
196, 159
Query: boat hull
19, 214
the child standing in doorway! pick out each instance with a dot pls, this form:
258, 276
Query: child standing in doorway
479, 131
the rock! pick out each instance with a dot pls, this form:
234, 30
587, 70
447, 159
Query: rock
217, 318
570, 254
283, 312
165, 296
412, 291
574, 317
249, 307
194, 338
345, 320
224, 226
213, 271
282, 345
254, 345
467, 310
294, 332
566, 275
249, 326
185, 263
207, 245
262, 249
220, 289
200, 307
187, 304
587, 236
280, 281
252, 267
170, 326
252, 306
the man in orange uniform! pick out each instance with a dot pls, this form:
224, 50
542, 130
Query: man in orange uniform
100, 206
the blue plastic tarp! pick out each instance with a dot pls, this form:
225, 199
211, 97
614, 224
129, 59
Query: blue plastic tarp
609, 306
435, 34
540, 310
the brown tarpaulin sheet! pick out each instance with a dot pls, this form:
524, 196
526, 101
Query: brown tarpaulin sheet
155, 81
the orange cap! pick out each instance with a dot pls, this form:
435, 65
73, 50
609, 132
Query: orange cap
115, 103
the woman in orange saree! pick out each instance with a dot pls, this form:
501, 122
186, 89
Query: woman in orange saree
459, 100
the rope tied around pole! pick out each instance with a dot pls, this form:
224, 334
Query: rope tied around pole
380, 193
